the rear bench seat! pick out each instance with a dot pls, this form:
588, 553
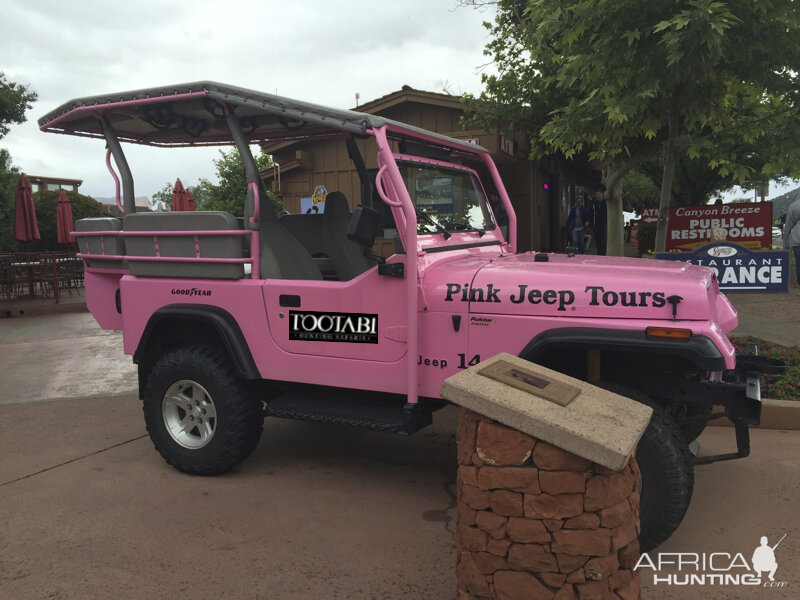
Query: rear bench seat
102, 245
218, 246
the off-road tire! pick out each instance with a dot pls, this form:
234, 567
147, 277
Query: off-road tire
667, 472
238, 417
691, 431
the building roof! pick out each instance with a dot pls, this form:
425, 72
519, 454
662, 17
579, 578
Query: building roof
46, 179
409, 94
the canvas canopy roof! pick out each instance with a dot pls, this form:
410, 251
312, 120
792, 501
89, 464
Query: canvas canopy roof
193, 114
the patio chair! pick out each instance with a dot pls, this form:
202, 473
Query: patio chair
9, 282
43, 277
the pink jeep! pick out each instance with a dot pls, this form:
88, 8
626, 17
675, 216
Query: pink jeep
294, 316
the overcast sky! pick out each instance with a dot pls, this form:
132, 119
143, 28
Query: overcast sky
315, 50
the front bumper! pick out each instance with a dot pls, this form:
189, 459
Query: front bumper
739, 393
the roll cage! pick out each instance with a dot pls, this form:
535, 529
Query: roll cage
207, 113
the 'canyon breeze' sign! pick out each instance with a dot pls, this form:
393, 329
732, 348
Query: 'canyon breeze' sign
737, 268
749, 225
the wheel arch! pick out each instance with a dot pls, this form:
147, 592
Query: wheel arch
177, 325
699, 350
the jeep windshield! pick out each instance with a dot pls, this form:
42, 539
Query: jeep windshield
447, 198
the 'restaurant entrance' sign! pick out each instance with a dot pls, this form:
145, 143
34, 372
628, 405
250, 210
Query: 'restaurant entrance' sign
749, 225
738, 269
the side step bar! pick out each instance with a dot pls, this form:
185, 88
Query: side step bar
394, 416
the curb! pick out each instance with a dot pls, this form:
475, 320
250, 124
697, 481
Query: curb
775, 414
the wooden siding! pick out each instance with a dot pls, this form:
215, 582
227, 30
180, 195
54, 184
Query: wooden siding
325, 163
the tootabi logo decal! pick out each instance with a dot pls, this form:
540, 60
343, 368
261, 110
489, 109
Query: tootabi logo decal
354, 328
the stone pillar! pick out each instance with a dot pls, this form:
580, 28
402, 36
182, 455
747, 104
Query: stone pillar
535, 521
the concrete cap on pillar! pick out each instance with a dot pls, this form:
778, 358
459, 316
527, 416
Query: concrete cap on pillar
597, 425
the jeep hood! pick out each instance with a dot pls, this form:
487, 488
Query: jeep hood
578, 286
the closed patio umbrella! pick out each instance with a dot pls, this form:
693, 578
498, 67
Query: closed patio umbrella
192, 205
25, 227
64, 223
181, 199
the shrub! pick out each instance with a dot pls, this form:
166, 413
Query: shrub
46, 207
777, 387
647, 237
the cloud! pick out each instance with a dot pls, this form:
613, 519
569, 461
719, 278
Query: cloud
314, 50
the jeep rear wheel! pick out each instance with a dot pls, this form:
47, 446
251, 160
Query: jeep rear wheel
202, 418
667, 472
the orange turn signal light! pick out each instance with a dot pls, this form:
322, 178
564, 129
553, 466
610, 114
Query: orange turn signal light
668, 333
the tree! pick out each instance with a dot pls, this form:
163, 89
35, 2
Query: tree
15, 100
9, 175
164, 195
229, 194
47, 208
640, 191
631, 81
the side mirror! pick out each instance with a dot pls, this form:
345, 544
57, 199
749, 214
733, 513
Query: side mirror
363, 226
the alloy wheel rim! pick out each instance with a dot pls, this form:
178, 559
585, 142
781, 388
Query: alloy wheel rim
189, 414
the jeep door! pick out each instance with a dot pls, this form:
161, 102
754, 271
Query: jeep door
363, 318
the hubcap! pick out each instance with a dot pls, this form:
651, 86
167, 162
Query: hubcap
189, 414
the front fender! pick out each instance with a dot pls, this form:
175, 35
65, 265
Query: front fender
700, 350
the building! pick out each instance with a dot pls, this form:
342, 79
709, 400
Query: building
53, 184
541, 192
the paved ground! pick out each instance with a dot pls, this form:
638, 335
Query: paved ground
774, 317
55, 356
91, 511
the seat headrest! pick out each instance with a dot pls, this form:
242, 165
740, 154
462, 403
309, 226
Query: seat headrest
336, 206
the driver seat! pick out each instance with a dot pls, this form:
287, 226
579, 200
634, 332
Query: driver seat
347, 257
282, 255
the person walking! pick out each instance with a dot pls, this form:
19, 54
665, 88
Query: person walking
599, 219
791, 236
577, 222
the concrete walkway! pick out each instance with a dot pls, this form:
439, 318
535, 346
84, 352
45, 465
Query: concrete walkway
772, 317
56, 356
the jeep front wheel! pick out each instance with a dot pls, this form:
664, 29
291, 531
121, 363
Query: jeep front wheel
202, 418
667, 472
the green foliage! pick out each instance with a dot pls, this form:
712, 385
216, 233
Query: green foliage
164, 195
9, 175
640, 191
229, 194
46, 211
15, 100
647, 238
629, 81
695, 182
778, 387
